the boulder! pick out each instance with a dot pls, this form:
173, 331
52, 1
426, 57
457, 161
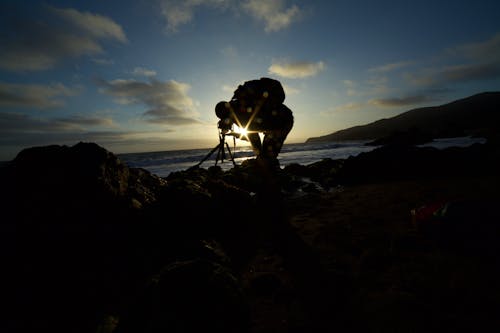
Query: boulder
193, 295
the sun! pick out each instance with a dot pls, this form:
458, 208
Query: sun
242, 131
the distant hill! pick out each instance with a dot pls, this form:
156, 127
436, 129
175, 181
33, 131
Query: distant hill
475, 115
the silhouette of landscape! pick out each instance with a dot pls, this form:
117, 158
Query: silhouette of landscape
398, 239
476, 115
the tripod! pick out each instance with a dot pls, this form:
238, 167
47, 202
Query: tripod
221, 152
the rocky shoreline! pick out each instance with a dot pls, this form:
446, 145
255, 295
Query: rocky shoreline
92, 245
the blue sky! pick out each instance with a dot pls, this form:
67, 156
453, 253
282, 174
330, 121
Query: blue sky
136, 76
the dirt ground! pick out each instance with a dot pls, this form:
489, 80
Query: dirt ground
366, 266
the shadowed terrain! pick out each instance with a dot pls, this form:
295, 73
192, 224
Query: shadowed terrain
92, 245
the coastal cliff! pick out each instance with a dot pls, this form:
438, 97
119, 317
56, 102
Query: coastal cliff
474, 115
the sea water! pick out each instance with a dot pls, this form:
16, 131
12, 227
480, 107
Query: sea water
162, 163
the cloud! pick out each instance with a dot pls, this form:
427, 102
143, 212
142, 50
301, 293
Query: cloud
34, 95
472, 62
350, 85
398, 102
353, 106
486, 52
11, 122
20, 123
39, 44
348, 107
19, 130
180, 12
86, 121
295, 70
273, 12
290, 90
94, 25
455, 74
168, 102
391, 67
470, 72
228, 89
377, 85
141, 71
230, 52
103, 61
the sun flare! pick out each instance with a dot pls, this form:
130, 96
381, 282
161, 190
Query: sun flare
242, 131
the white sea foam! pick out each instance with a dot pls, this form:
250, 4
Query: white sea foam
165, 162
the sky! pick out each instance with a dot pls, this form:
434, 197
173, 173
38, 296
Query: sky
145, 75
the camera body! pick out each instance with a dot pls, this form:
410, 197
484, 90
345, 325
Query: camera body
223, 112
225, 124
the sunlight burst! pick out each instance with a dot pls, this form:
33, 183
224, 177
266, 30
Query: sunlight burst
242, 131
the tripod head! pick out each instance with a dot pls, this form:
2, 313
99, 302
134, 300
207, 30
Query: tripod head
221, 155
230, 131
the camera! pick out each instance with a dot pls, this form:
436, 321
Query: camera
223, 112
225, 124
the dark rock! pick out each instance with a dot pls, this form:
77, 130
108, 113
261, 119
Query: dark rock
468, 227
412, 136
74, 233
265, 284
393, 162
190, 296
86, 232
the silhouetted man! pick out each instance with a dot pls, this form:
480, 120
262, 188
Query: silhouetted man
257, 106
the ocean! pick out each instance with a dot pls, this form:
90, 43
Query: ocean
162, 163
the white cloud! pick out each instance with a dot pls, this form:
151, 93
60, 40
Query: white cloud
94, 25
85, 121
40, 45
391, 67
295, 70
180, 12
168, 102
141, 71
228, 89
290, 90
274, 13
34, 95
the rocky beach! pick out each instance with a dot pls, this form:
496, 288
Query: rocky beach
398, 239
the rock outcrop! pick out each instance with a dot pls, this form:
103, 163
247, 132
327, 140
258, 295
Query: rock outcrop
91, 244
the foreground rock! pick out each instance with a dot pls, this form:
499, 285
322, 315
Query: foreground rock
84, 235
118, 249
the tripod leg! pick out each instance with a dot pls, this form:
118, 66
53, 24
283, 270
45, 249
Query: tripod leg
208, 155
230, 154
220, 153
